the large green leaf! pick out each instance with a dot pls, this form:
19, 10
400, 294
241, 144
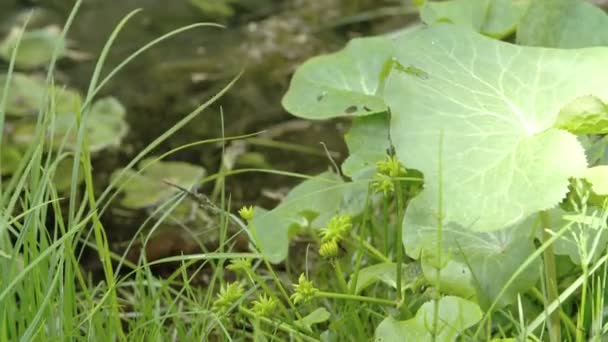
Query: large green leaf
455, 315
563, 24
496, 18
309, 205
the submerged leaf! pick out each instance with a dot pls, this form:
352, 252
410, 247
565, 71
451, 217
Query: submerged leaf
455, 316
149, 187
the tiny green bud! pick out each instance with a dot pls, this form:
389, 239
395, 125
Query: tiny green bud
391, 167
304, 291
337, 228
228, 295
246, 213
329, 249
383, 183
264, 306
239, 265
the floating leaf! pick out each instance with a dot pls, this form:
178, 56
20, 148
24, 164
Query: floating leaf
26, 95
455, 316
62, 178
105, 126
563, 24
496, 18
310, 204
36, 47
387, 274
149, 187
320, 315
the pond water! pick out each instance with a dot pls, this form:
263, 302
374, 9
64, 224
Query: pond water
266, 39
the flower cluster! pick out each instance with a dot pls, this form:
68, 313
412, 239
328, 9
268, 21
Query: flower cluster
228, 296
337, 229
264, 306
386, 172
304, 290
246, 213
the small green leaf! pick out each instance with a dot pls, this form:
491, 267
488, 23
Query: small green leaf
565, 24
62, 178
310, 204
320, 315
585, 115
149, 187
387, 274
36, 47
455, 277
455, 316
25, 94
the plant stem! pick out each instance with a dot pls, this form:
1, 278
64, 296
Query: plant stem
439, 237
550, 278
335, 295
385, 216
340, 275
359, 260
399, 240
373, 251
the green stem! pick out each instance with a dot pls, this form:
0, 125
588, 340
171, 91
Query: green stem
385, 217
335, 295
550, 278
399, 240
340, 275
439, 237
581, 311
355, 277
373, 251
565, 318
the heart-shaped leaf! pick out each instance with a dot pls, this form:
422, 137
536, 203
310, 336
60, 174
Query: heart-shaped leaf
455, 315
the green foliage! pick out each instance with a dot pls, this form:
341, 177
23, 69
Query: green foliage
386, 273
455, 315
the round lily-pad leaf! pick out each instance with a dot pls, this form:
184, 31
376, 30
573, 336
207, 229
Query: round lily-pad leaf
26, 95
36, 47
149, 188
